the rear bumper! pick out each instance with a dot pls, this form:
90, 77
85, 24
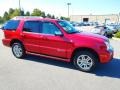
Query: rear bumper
6, 42
107, 56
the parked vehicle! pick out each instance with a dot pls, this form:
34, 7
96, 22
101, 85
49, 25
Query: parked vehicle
98, 30
112, 28
101, 30
84, 28
56, 39
108, 32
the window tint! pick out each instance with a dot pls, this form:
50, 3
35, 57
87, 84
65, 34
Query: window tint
11, 25
50, 28
32, 26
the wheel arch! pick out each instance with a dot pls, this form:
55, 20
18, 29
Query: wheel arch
15, 40
84, 49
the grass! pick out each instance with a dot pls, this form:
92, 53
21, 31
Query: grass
117, 35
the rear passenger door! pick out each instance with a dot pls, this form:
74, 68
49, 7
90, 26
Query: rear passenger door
30, 36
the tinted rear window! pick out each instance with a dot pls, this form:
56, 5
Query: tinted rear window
11, 25
32, 26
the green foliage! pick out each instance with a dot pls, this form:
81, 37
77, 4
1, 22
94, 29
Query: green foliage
117, 35
53, 17
11, 13
43, 14
16, 12
1, 20
6, 16
27, 13
36, 12
48, 15
64, 18
22, 13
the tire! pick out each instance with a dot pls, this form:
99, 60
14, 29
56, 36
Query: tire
105, 34
85, 61
18, 50
110, 36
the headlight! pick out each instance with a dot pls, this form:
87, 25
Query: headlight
107, 43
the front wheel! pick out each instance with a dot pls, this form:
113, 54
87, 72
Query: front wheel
18, 50
85, 61
105, 34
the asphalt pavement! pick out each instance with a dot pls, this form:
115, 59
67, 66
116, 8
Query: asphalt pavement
37, 73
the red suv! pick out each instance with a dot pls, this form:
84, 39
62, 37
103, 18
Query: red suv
56, 39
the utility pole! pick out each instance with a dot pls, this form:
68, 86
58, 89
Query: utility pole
119, 17
20, 7
68, 8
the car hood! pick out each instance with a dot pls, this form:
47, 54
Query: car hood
89, 36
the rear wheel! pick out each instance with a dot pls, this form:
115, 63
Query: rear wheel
18, 50
85, 61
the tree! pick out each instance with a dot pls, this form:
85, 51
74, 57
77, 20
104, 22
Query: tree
1, 20
64, 18
11, 11
43, 14
48, 15
27, 13
53, 17
36, 12
22, 13
6, 16
16, 13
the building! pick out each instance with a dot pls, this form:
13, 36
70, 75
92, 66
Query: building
113, 18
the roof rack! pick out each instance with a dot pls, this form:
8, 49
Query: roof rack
26, 17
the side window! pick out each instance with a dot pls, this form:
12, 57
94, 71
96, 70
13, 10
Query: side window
11, 25
32, 26
50, 28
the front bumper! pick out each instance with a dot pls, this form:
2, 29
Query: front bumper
106, 56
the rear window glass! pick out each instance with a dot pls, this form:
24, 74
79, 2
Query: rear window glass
32, 26
11, 25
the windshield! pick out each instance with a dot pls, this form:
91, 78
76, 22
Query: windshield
110, 27
68, 27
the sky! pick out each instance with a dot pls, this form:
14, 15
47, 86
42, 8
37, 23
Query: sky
60, 8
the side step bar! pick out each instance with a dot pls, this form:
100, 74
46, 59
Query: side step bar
46, 56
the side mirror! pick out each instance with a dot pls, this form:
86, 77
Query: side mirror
58, 33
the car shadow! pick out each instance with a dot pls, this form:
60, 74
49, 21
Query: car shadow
111, 69
49, 61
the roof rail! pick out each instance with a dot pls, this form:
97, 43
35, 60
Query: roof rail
25, 17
